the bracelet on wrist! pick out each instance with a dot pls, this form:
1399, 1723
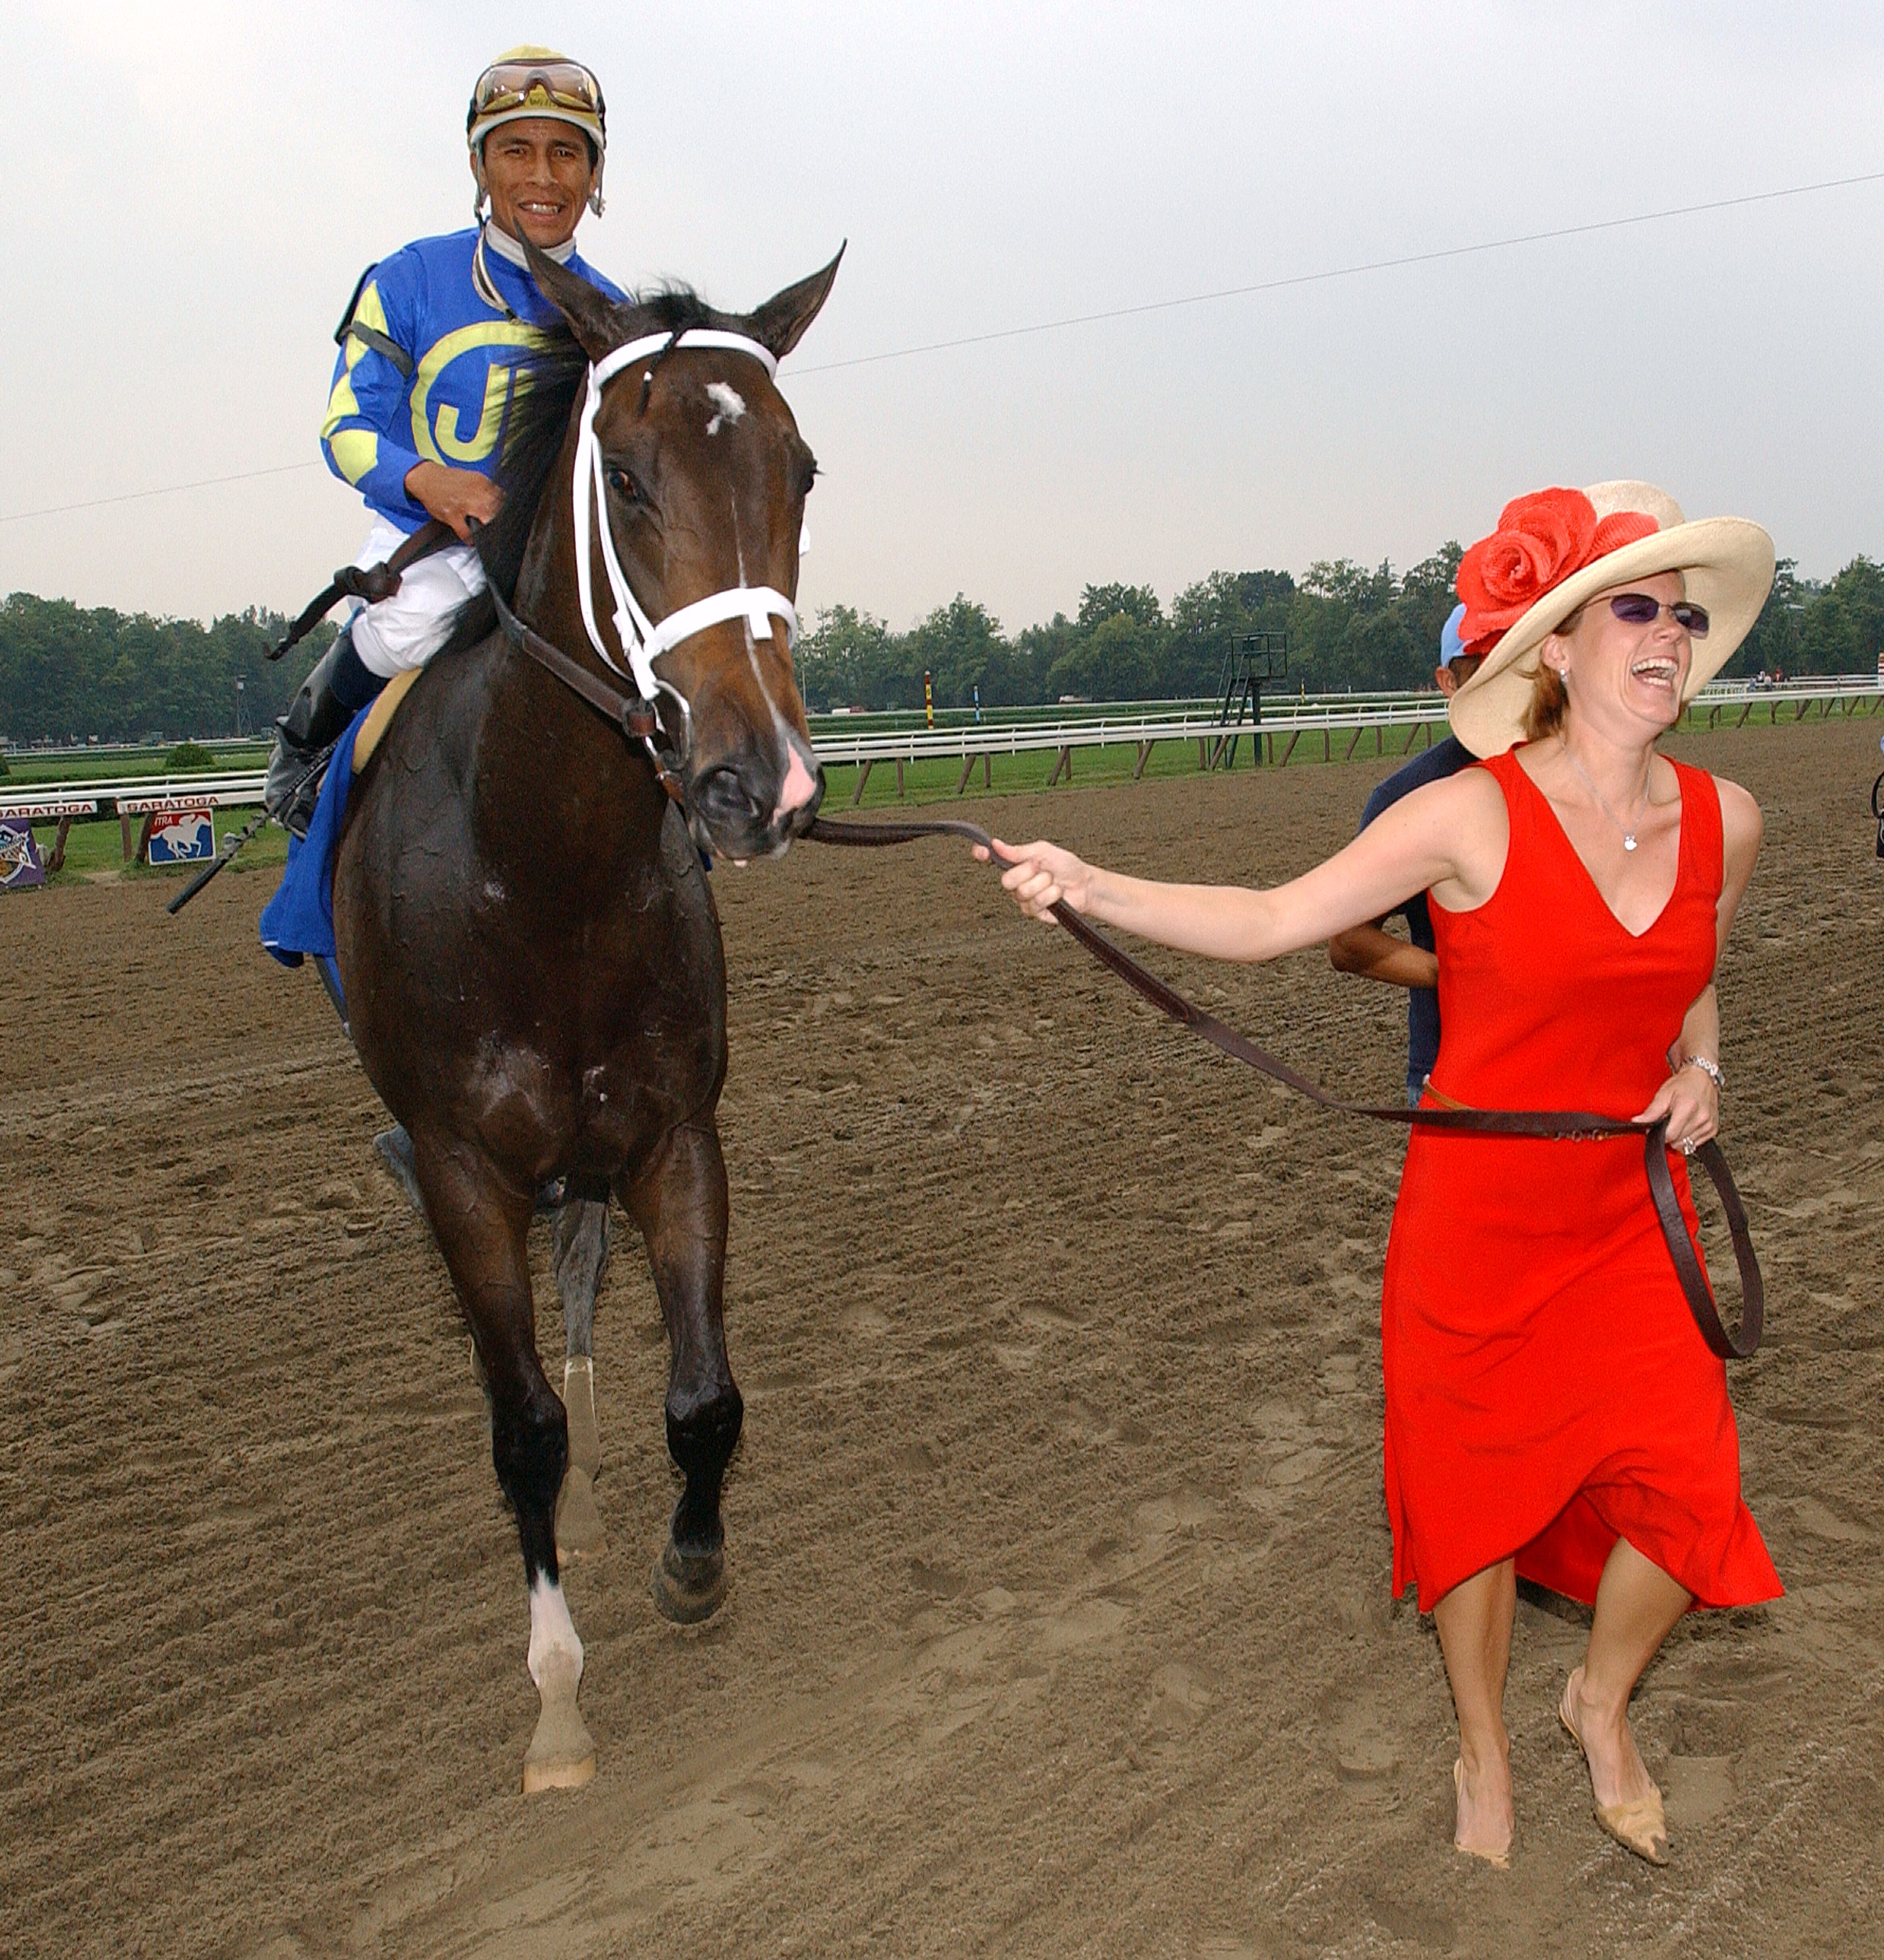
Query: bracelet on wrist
1712, 1070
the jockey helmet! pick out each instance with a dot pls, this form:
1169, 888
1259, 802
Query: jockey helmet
531, 81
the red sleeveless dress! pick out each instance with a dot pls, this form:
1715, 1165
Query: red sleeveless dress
1546, 1389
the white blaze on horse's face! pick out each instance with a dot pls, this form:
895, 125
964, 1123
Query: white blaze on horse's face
728, 401
798, 786
641, 640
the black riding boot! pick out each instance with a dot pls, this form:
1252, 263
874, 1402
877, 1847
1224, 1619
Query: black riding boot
316, 718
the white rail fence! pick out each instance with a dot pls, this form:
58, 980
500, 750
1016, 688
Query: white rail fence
1285, 722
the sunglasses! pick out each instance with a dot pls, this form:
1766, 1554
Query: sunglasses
1637, 609
510, 85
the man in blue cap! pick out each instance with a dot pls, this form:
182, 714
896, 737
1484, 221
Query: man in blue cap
1376, 954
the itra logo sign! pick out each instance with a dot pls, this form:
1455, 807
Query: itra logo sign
183, 837
19, 865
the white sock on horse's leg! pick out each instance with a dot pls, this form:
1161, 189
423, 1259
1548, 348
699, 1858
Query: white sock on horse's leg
562, 1752
552, 1631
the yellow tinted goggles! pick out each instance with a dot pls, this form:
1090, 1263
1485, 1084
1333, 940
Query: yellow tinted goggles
508, 86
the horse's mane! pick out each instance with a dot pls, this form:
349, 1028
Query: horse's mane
542, 402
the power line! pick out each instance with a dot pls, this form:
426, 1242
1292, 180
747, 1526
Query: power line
1116, 313
1344, 273
162, 490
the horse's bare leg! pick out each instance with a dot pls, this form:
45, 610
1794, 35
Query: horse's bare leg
482, 1229
581, 1257
679, 1202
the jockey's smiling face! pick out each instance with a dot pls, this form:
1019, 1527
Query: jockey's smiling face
539, 172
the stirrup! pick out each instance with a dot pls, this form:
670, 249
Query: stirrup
285, 768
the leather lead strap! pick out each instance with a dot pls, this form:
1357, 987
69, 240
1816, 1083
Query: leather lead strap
1729, 1348
1561, 1125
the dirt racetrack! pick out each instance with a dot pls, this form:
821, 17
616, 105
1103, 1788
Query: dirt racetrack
1060, 1621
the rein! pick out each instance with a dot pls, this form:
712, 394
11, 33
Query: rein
1562, 1124
634, 714
370, 583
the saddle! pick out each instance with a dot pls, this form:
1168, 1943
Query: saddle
379, 717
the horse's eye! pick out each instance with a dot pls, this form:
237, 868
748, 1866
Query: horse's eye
810, 483
624, 484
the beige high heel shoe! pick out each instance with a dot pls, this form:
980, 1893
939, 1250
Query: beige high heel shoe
1499, 1860
1640, 1825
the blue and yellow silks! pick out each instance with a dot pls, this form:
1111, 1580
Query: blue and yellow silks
453, 407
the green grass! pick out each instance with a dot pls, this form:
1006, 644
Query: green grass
1759, 713
931, 779
25, 768
96, 847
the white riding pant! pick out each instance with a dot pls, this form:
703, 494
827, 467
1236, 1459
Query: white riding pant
406, 630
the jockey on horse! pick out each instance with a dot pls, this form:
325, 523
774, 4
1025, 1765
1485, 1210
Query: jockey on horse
426, 376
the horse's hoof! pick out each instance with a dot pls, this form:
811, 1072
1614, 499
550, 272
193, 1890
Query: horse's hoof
578, 1522
689, 1591
561, 1753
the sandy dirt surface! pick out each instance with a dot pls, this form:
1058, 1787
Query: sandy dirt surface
1060, 1621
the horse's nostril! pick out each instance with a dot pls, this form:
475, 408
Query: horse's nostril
725, 798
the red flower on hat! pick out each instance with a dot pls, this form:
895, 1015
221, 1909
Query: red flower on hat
1541, 540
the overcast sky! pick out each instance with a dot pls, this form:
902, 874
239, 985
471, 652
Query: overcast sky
194, 188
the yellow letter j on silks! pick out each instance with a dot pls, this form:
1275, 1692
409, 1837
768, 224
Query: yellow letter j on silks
441, 439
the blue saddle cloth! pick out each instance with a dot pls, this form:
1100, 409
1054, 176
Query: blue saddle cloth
299, 919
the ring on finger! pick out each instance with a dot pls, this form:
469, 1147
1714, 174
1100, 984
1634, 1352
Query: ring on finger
1686, 1146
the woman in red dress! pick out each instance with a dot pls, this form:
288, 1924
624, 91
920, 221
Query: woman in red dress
1552, 1409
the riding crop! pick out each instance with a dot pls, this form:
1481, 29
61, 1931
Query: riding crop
237, 839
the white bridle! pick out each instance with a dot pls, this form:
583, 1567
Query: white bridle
643, 640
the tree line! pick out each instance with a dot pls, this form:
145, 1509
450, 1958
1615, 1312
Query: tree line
67, 673
1348, 628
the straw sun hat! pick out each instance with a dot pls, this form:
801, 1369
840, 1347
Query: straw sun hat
1555, 549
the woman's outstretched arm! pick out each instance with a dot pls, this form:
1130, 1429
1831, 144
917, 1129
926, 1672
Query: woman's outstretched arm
1448, 838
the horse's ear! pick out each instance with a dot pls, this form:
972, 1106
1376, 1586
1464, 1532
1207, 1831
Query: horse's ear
590, 313
780, 324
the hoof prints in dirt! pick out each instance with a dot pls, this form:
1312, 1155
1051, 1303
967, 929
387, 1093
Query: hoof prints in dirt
1061, 1621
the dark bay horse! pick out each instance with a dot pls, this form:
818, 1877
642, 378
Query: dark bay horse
529, 945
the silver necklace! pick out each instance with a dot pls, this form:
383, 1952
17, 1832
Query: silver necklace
1627, 830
